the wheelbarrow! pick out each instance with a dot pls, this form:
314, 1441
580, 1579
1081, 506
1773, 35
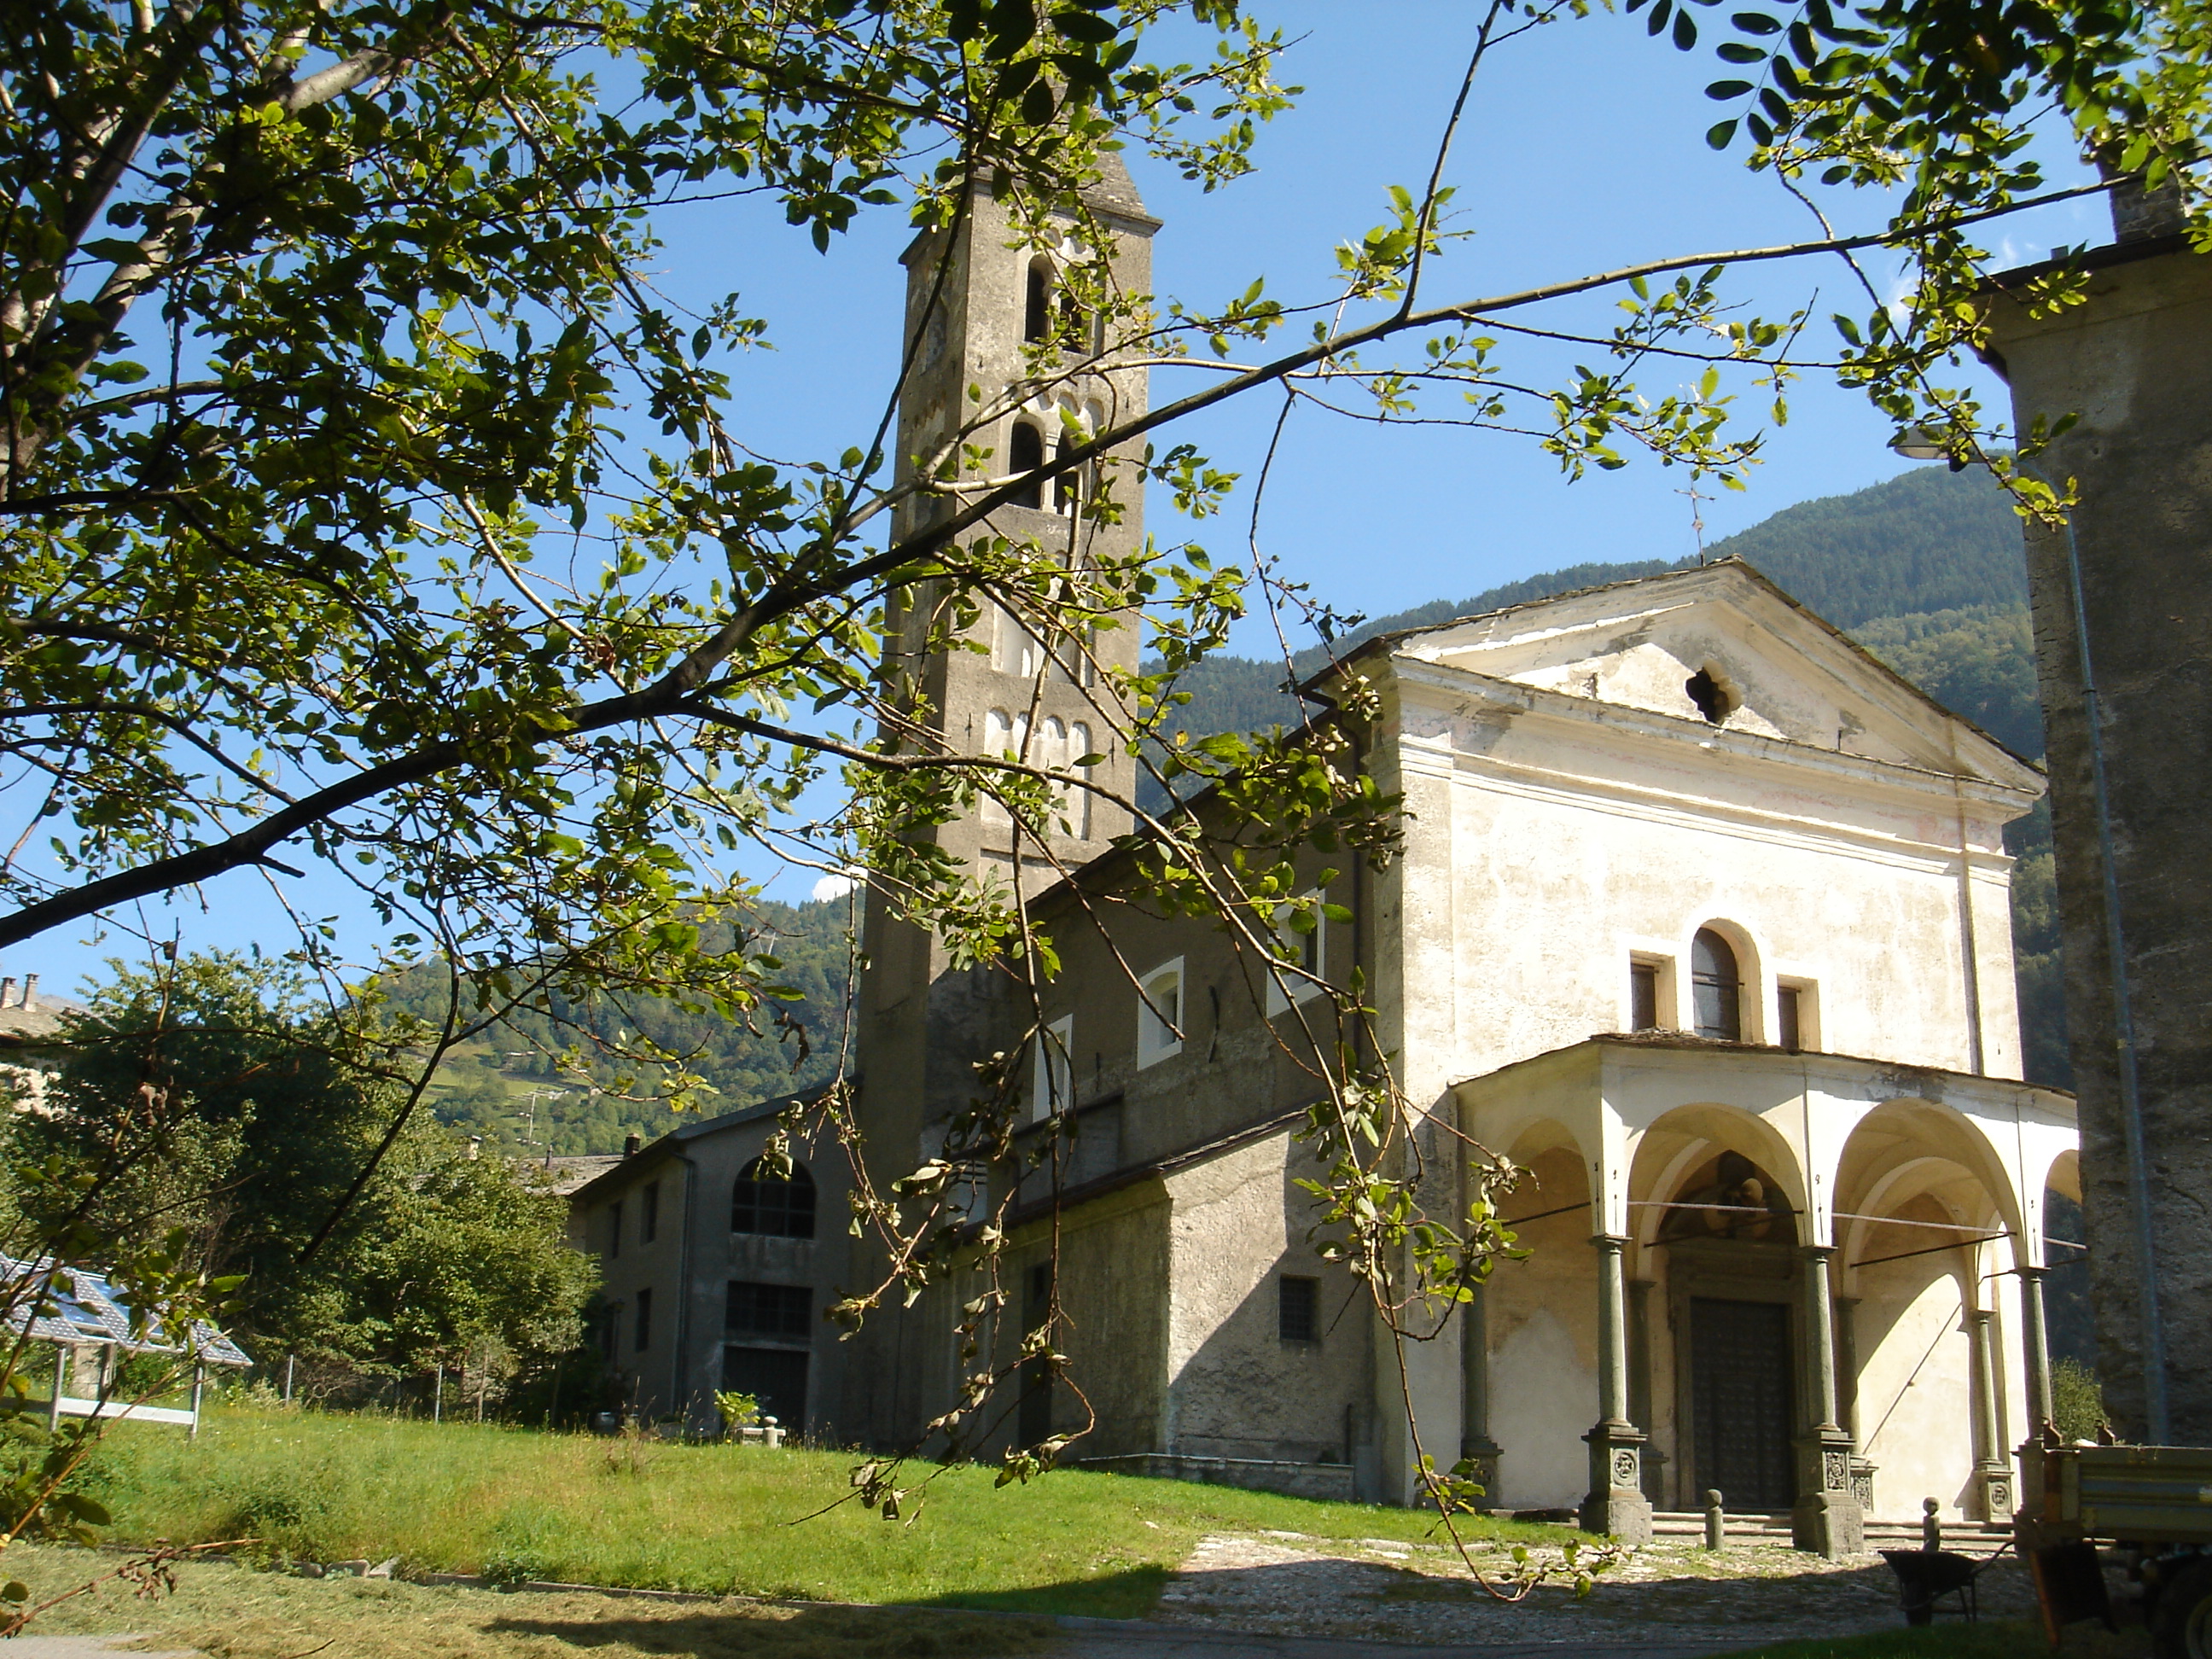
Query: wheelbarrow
1924, 1577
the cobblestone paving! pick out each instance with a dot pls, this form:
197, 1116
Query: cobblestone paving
1670, 1592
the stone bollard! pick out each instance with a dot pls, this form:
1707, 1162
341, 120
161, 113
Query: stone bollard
1931, 1525
1715, 1522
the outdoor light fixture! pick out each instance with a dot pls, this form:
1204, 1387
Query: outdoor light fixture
1917, 443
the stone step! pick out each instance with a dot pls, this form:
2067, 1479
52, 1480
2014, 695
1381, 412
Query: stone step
1879, 1534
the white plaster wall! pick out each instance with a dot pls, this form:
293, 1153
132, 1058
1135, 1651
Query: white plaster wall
1542, 1324
1915, 1392
1573, 847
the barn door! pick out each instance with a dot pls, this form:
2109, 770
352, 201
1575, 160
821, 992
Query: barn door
1741, 1401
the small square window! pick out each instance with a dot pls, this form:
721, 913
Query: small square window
1297, 1308
1642, 996
1159, 1014
1796, 1016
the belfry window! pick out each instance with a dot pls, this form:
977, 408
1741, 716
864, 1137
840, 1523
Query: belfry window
1067, 484
1716, 987
1036, 315
1159, 1014
1025, 454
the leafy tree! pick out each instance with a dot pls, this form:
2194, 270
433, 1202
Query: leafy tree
318, 324
212, 1104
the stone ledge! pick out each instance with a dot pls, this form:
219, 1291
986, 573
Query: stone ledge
1328, 1481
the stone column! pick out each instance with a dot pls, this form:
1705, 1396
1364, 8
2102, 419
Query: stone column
1616, 1505
2035, 1363
1476, 1448
1992, 1474
1639, 1386
1847, 1398
1826, 1516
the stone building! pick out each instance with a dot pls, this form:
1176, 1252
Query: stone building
2123, 660
1701, 916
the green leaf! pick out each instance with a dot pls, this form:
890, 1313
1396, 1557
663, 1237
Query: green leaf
1720, 133
1756, 22
1686, 31
1725, 90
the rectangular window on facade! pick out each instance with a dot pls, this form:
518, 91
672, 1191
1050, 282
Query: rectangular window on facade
1159, 1014
1796, 1016
1052, 1082
1642, 996
778, 1310
644, 1320
649, 1213
1304, 957
1297, 1308
614, 1229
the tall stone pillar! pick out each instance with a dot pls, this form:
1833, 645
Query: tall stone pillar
1476, 1448
1826, 1516
1992, 1472
1616, 1505
1639, 1386
2035, 1364
1847, 1399
2120, 599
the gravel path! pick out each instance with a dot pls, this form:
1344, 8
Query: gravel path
1671, 1595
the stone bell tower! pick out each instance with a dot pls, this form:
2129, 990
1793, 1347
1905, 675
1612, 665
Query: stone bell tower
1006, 358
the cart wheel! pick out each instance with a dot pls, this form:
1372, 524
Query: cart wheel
2181, 1624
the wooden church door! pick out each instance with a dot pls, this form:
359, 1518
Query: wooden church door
1741, 1403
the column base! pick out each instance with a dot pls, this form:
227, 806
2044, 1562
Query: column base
1479, 1461
1829, 1523
1616, 1507
1994, 1482
1826, 1518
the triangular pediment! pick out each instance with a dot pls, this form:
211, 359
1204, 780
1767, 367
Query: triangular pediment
1719, 645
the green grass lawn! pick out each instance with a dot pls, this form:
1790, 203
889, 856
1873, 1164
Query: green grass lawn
461, 1498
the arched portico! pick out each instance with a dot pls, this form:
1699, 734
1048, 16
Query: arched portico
1744, 1205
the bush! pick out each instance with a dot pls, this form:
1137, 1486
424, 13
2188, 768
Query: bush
2077, 1401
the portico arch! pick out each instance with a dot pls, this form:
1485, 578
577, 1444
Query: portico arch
1928, 1223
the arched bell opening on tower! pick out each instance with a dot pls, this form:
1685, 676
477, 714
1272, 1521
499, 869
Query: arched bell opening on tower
1025, 455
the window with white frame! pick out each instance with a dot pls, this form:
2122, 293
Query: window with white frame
1052, 1083
1797, 1014
1159, 1014
1301, 956
1013, 647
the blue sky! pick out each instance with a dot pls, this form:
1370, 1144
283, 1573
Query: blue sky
1582, 150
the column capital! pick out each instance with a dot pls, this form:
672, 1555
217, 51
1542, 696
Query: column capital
1611, 1241
1822, 1253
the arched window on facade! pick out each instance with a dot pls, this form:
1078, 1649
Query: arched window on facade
764, 1203
1078, 801
1036, 315
1004, 734
1025, 454
1716, 987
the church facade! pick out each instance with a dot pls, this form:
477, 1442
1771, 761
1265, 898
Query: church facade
1700, 917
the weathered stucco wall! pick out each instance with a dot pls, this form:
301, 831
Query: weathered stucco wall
2134, 362
1915, 1393
1236, 1388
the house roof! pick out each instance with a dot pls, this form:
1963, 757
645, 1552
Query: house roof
1761, 589
674, 1142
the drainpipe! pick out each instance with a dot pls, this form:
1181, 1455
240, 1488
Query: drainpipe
679, 1400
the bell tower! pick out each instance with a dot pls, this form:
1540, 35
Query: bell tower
1007, 358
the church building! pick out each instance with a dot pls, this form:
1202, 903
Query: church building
1700, 916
